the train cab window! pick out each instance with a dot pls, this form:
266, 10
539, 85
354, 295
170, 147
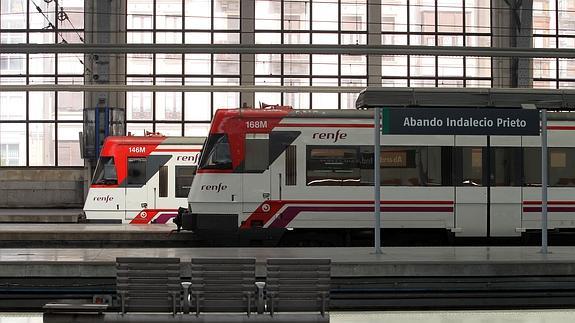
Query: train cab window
216, 153
184, 178
505, 166
332, 166
256, 152
136, 171
469, 166
105, 173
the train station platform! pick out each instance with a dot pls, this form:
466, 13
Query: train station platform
346, 262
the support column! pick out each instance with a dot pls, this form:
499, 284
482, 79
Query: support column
374, 38
247, 61
104, 25
512, 25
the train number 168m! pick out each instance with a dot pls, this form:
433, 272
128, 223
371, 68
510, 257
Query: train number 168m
137, 150
256, 124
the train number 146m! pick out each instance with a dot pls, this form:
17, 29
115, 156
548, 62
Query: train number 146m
137, 150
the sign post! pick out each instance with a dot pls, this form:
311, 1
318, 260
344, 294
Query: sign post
544, 181
376, 181
458, 121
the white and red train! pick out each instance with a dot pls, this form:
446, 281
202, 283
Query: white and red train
282, 170
142, 179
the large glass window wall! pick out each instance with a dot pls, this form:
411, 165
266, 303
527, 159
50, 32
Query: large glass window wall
553, 27
436, 23
41, 128
181, 22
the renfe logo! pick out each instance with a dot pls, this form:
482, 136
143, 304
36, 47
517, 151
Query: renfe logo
335, 136
192, 158
104, 199
214, 188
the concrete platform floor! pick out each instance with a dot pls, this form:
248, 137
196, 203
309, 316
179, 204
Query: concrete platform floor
26, 215
517, 316
346, 262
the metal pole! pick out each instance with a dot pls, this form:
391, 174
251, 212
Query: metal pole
376, 180
544, 181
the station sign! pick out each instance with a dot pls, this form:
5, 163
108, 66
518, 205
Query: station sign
460, 121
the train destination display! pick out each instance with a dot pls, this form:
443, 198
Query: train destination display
460, 121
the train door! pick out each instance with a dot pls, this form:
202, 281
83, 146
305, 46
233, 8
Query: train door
505, 192
470, 186
157, 174
256, 179
136, 190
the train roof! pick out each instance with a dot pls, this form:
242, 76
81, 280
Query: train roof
158, 140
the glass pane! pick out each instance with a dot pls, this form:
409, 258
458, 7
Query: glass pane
138, 129
13, 14
69, 144
297, 100
268, 64
12, 105
197, 129
198, 38
566, 68
168, 64
168, 14
42, 105
169, 106
70, 64
139, 106
140, 14
450, 66
478, 16
394, 15
198, 64
12, 144
226, 100
42, 138
42, 63
354, 15
169, 129
296, 15
544, 67
13, 64
422, 66
267, 14
198, 106
354, 65
267, 98
324, 101
566, 17
296, 64
544, 17
168, 37
450, 16
41, 38
394, 65
478, 66
139, 64
137, 171
324, 64
70, 105
268, 38
470, 166
198, 14
422, 15
226, 64
226, 14
38, 20
506, 166
226, 38
348, 100
325, 15
74, 11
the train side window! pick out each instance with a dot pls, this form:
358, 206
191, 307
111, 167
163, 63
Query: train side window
531, 166
561, 166
404, 166
136, 171
332, 166
257, 153
163, 181
291, 166
469, 166
184, 178
505, 166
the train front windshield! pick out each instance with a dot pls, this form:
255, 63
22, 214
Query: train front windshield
216, 153
105, 172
